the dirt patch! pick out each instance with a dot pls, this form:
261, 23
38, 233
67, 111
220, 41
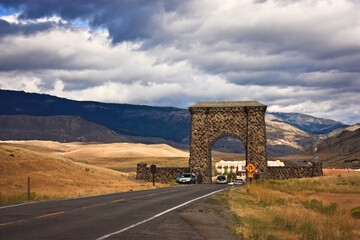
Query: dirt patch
210, 220
329, 172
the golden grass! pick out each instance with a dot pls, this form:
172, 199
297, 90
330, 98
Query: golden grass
118, 156
317, 208
55, 177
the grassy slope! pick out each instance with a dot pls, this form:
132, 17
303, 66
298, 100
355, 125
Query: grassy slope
55, 177
317, 208
62, 170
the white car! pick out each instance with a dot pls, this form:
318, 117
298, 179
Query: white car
188, 178
221, 180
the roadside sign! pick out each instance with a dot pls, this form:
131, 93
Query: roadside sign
250, 175
256, 171
153, 169
250, 167
153, 172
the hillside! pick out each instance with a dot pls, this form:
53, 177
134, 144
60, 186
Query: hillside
346, 142
117, 156
133, 120
340, 151
55, 128
307, 123
144, 124
53, 176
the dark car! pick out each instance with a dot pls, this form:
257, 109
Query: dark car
188, 178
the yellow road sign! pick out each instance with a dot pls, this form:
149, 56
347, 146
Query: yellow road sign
250, 167
250, 175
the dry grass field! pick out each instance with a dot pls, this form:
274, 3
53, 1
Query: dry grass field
315, 208
54, 175
124, 156
63, 170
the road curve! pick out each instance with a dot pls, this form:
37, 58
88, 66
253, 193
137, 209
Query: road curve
97, 217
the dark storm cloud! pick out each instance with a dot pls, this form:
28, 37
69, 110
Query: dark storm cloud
125, 20
7, 28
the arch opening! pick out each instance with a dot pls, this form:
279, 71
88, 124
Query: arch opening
228, 157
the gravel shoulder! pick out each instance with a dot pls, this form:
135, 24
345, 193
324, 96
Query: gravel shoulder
200, 220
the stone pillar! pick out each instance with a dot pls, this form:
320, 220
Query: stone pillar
199, 161
256, 139
141, 171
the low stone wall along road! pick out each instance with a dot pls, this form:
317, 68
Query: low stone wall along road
99, 217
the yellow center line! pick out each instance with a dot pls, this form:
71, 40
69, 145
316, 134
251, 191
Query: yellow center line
51, 214
137, 197
119, 200
90, 206
3, 224
152, 194
19, 221
173, 190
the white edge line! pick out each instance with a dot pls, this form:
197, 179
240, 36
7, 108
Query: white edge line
16, 205
157, 215
66, 199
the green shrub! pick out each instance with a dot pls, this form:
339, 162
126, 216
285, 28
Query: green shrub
231, 177
355, 212
318, 206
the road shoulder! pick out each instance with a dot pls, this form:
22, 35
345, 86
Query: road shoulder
209, 218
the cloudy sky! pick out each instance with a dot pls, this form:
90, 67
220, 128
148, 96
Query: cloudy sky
292, 55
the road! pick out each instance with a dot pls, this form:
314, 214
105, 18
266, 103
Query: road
98, 217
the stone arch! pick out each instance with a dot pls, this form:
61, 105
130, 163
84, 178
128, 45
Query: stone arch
213, 120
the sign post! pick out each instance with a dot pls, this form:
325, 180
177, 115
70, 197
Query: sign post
250, 167
29, 194
153, 172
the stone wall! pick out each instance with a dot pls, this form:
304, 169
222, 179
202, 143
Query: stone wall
163, 174
279, 173
167, 174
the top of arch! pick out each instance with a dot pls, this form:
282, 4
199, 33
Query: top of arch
227, 104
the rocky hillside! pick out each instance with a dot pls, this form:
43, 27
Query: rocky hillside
307, 123
346, 142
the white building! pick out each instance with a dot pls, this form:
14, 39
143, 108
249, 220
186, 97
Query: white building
239, 166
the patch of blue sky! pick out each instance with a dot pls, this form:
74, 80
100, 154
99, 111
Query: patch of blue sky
81, 23
8, 11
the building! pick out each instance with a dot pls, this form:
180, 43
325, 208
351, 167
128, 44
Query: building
239, 167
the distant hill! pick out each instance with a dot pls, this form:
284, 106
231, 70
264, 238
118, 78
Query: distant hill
146, 124
133, 120
346, 142
340, 151
55, 128
308, 123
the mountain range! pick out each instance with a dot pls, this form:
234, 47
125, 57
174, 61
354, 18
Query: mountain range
45, 117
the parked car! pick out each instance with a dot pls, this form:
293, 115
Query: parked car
177, 178
221, 180
239, 182
188, 178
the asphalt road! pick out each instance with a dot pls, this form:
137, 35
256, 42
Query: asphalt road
99, 217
